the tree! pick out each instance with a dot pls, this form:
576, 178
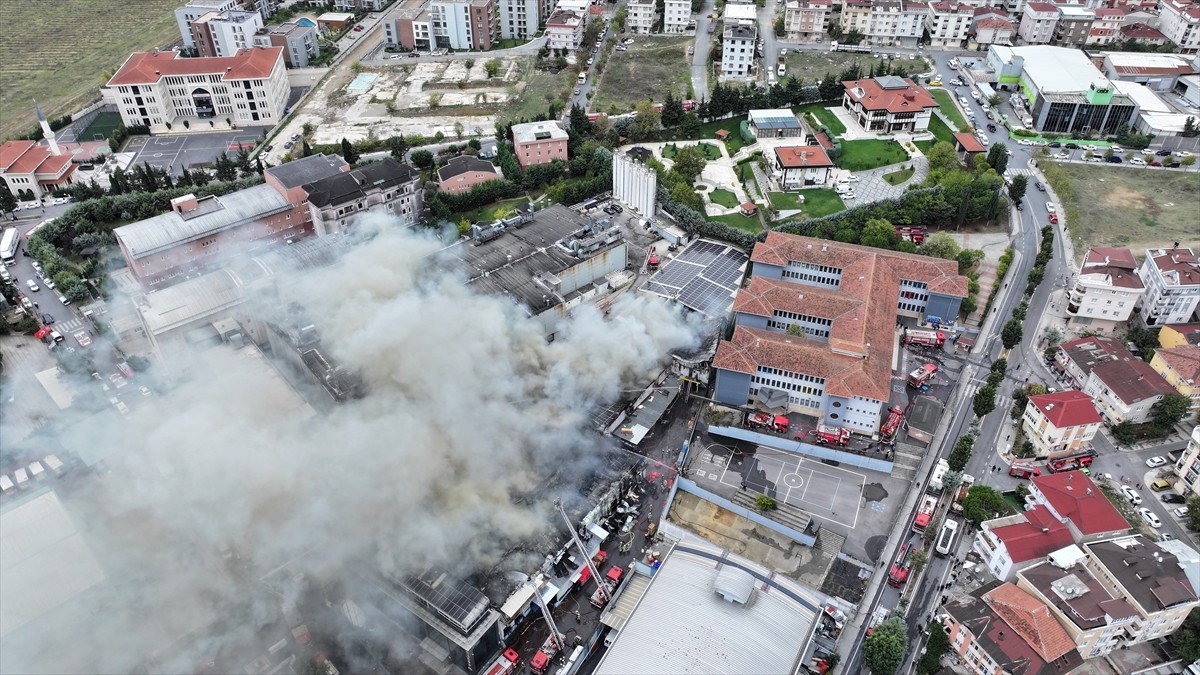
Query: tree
578, 120
1011, 334
8, 203
878, 233
983, 503
672, 112
1186, 638
689, 162
458, 130
397, 146
1016, 191
780, 29
942, 157
226, 169
1170, 410
1193, 512
941, 245
492, 67
884, 649
917, 560
422, 159
997, 157
348, 152
961, 454
984, 401
647, 121
937, 645
1190, 130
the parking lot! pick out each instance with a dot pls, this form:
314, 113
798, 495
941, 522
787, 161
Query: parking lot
175, 153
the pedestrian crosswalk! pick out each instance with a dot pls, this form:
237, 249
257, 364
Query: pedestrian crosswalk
68, 326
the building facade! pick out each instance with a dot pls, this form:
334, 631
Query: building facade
677, 15
737, 49
800, 166
1006, 545
1188, 466
1106, 25
1074, 26
472, 25
642, 16
1064, 421
539, 143
1000, 628
463, 173
155, 89
225, 33
519, 19
1105, 291
385, 187
1180, 22
564, 30
195, 9
807, 20
33, 171
1038, 23
1180, 368
299, 42
888, 104
948, 24
1172, 278
991, 27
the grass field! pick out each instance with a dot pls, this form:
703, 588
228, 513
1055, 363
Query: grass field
57, 52
870, 154
101, 126
941, 132
652, 66
898, 177
818, 202
739, 221
541, 88
824, 116
811, 66
724, 198
709, 151
488, 213
946, 104
732, 125
1130, 207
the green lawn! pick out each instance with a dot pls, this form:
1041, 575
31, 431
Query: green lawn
898, 177
940, 131
732, 125
946, 104
709, 151
739, 221
651, 67
723, 198
488, 213
817, 202
870, 154
825, 116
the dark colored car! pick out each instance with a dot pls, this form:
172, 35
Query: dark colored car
1173, 165
1155, 163
47, 319
1163, 153
991, 127
1071, 146
1039, 186
1054, 144
1172, 498
1115, 159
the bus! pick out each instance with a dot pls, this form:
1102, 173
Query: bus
945, 543
8, 246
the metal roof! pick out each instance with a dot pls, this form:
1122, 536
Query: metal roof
307, 169
704, 277
175, 306
44, 562
151, 235
683, 626
774, 119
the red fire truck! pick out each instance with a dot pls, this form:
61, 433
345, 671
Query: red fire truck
541, 660
898, 574
922, 377
924, 514
652, 263
925, 338
892, 424
1021, 470
914, 234
763, 421
832, 435
505, 664
1079, 460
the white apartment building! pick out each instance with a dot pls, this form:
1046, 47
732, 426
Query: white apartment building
519, 19
195, 9
1106, 25
948, 23
1064, 421
564, 30
642, 15
807, 20
225, 33
737, 49
156, 88
895, 23
1038, 23
1180, 22
856, 16
1172, 278
1106, 291
676, 15
1188, 466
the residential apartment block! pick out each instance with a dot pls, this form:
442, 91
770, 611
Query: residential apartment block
299, 42
1144, 33
1172, 278
386, 186
1076, 501
807, 20
737, 49
991, 27
1123, 387
1074, 25
677, 14
888, 104
844, 299
225, 33
641, 17
1065, 421
1106, 25
519, 19
948, 24
856, 16
1180, 23
445, 24
1188, 466
1011, 543
539, 143
249, 88
38, 170
564, 30
1000, 628
1180, 368
465, 172
1105, 292
1038, 22
1179, 334
195, 9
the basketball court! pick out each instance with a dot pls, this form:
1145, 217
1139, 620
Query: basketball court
176, 153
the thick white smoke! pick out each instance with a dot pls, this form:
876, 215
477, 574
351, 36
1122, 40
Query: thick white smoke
467, 407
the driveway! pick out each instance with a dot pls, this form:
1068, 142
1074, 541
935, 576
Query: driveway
871, 186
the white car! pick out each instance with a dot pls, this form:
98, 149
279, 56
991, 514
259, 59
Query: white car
848, 178
62, 200
1180, 512
1050, 207
1182, 153
1131, 495
1151, 519
1137, 161
1116, 149
628, 42
1156, 461
1062, 155
32, 285
783, 52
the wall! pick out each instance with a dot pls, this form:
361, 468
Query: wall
815, 451
732, 388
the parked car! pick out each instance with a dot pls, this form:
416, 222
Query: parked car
1131, 495
1172, 498
32, 285
1117, 149
1055, 144
1173, 164
1039, 185
1071, 146
1137, 161
1156, 461
1114, 160
1053, 218
992, 128
1180, 512
1050, 207
1155, 163
1163, 153
1151, 519
1159, 485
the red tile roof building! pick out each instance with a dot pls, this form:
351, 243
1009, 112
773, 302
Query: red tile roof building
1074, 499
35, 170
1172, 278
801, 166
888, 104
1010, 543
845, 300
1180, 368
1105, 292
1123, 387
1000, 628
157, 89
1061, 422
965, 142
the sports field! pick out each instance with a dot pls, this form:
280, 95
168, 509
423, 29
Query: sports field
59, 52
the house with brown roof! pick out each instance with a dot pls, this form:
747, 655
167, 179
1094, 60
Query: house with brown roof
1143, 33
991, 26
1000, 628
966, 146
1015, 542
1179, 334
465, 172
800, 166
1078, 503
1123, 387
1060, 422
1105, 292
32, 171
817, 322
888, 104
1180, 368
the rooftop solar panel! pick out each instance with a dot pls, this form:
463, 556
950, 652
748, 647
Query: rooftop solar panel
703, 277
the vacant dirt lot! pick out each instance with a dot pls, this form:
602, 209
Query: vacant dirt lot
1130, 207
651, 67
812, 66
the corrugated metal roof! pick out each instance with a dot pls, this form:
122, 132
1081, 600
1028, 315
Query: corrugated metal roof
683, 626
170, 229
178, 305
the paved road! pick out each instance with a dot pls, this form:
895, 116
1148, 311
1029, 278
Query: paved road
700, 57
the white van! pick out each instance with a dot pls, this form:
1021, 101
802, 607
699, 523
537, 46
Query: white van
22, 478
6, 484
53, 463
36, 471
